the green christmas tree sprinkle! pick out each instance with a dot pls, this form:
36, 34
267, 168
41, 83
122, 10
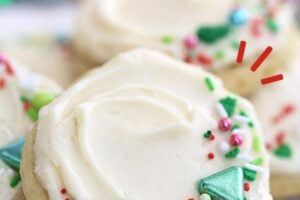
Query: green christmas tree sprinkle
229, 105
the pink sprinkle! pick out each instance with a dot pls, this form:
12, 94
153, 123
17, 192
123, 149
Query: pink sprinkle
225, 124
190, 42
236, 140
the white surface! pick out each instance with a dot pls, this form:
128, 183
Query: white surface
31, 19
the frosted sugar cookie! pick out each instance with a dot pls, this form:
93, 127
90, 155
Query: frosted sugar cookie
145, 126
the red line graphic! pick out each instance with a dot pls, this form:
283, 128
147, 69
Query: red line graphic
271, 79
261, 58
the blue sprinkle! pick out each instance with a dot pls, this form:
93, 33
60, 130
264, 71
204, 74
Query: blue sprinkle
238, 17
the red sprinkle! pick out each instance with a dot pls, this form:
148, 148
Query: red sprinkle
26, 105
247, 187
269, 146
211, 156
286, 110
280, 138
272, 12
5, 62
63, 190
204, 59
212, 137
2, 83
191, 199
256, 27
188, 59
9, 69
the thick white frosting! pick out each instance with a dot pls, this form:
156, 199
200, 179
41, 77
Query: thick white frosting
270, 103
14, 121
107, 27
133, 129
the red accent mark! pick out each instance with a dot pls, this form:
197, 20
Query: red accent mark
261, 58
241, 52
247, 187
256, 27
271, 79
211, 156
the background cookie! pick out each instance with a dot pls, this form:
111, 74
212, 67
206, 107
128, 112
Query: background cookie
22, 94
278, 109
189, 31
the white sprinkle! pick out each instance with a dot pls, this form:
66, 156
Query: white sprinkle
255, 168
221, 110
241, 119
223, 147
244, 158
239, 131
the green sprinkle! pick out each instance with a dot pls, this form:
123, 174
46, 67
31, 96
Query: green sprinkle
229, 105
284, 151
235, 44
33, 114
209, 83
225, 185
250, 175
235, 126
251, 124
207, 134
243, 113
219, 55
211, 34
25, 99
5, 2
256, 145
233, 153
41, 99
15, 180
167, 39
272, 25
257, 161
